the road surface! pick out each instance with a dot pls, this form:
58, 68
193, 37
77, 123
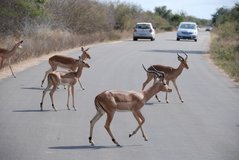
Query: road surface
204, 127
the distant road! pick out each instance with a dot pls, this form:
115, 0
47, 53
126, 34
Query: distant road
204, 127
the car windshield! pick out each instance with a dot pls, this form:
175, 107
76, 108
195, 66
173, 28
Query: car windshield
142, 26
188, 26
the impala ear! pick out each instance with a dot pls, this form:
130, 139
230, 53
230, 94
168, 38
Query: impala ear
180, 58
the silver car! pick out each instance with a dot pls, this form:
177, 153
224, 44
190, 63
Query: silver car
144, 30
187, 30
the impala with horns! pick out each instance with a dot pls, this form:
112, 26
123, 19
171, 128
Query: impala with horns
7, 54
111, 101
66, 63
171, 74
56, 78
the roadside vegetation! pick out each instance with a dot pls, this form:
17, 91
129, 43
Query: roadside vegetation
54, 25
225, 43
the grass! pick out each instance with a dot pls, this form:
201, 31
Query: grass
224, 50
42, 40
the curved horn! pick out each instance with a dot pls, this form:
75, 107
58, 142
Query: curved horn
185, 54
160, 72
180, 58
157, 73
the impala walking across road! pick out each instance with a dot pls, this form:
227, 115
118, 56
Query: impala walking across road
171, 74
111, 101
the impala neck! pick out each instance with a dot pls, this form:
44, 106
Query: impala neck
79, 70
179, 70
150, 92
13, 50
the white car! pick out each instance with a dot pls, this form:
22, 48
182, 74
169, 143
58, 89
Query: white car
187, 30
144, 30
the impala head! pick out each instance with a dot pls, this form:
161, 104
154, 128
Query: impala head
19, 44
85, 54
183, 60
82, 62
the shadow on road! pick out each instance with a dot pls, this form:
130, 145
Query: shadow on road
89, 147
174, 51
33, 88
31, 110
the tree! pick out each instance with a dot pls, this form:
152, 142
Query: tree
176, 19
15, 13
220, 16
163, 12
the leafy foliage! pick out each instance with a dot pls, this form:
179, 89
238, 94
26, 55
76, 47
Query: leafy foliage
52, 25
225, 47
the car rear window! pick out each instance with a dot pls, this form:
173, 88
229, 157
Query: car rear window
142, 26
188, 26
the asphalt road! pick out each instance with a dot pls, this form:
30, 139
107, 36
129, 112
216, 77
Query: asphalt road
204, 127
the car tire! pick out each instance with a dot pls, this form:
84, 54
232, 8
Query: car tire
135, 39
195, 40
152, 39
178, 39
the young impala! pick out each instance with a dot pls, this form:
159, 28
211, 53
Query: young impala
6, 54
171, 74
111, 101
66, 63
56, 78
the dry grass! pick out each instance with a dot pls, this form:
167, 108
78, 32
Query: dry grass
225, 52
43, 40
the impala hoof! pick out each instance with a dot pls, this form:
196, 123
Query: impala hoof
41, 106
118, 145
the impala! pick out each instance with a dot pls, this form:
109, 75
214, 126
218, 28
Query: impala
171, 74
6, 54
111, 101
56, 78
66, 63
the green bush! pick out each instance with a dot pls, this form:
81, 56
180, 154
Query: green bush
225, 45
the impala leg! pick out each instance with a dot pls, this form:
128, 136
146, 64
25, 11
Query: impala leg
149, 78
166, 97
51, 95
156, 96
46, 73
140, 119
73, 95
68, 97
44, 93
9, 64
98, 115
175, 85
1, 62
81, 85
107, 127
